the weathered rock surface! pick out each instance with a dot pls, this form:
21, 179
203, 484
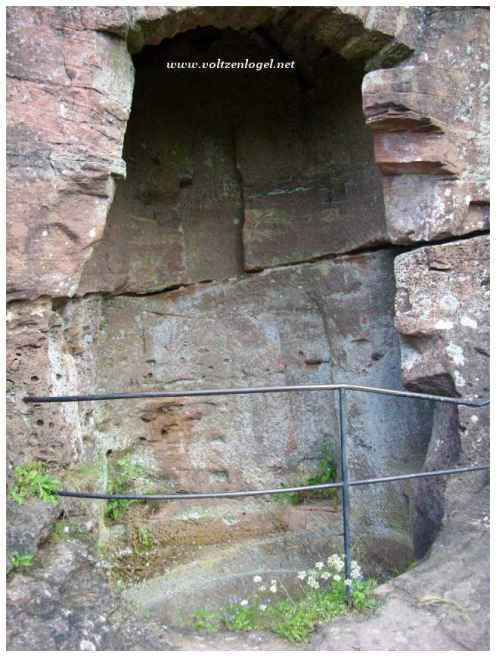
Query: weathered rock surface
442, 302
45, 357
325, 194
435, 148
180, 207
92, 74
421, 208
66, 604
441, 604
442, 314
276, 181
89, 81
223, 574
35, 432
190, 640
69, 95
28, 525
318, 323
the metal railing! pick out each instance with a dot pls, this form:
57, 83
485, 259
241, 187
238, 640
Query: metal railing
345, 484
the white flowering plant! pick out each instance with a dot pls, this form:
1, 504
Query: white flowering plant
321, 595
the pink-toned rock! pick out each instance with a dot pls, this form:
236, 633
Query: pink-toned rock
423, 208
420, 153
67, 111
83, 77
431, 116
35, 432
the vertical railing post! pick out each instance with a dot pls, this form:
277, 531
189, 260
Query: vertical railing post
345, 494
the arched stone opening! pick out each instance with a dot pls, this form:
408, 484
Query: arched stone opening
322, 318
243, 248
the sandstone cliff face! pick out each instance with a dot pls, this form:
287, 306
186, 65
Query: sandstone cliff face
162, 233
442, 314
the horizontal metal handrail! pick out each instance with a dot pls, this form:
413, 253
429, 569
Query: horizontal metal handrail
269, 491
110, 396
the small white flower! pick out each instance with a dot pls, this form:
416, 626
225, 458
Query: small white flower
302, 574
325, 575
356, 573
319, 565
244, 603
273, 588
273, 581
257, 579
313, 584
262, 607
335, 562
262, 588
347, 582
336, 578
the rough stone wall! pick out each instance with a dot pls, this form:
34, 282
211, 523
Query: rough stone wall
69, 94
431, 123
434, 150
69, 98
317, 323
442, 313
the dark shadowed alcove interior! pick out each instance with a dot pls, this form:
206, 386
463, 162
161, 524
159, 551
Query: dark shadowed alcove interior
237, 170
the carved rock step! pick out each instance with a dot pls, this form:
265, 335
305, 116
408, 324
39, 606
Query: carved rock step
223, 575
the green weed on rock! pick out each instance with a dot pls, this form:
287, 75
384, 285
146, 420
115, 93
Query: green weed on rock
321, 598
33, 481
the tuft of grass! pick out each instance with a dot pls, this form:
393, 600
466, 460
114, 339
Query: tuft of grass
33, 480
326, 474
124, 475
116, 509
294, 623
241, 619
21, 560
145, 540
207, 621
